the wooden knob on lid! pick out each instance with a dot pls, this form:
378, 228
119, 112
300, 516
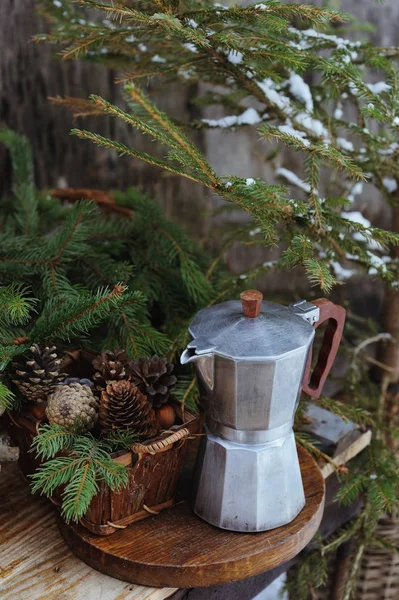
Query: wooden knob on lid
251, 303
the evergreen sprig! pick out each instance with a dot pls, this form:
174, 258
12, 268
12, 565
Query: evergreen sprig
128, 282
88, 463
15, 306
7, 398
256, 53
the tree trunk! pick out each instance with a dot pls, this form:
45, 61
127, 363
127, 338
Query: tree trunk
389, 351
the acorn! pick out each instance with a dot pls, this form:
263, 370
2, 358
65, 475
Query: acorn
38, 410
166, 416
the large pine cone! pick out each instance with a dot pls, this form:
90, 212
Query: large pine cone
123, 406
109, 366
36, 373
73, 406
153, 376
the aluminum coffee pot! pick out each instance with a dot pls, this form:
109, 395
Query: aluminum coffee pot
252, 359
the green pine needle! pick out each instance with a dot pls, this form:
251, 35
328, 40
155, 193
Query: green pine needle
81, 472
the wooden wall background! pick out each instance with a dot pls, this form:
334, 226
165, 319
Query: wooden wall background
29, 73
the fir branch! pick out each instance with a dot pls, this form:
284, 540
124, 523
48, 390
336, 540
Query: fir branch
23, 186
352, 489
51, 440
124, 150
183, 143
77, 315
119, 439
15, 306
347, 412
54, 473
79, 107
87, 463
7, 398
195, 282
186, 392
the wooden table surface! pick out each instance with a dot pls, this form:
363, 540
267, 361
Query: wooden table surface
35, 563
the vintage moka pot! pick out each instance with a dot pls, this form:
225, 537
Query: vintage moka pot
252, 359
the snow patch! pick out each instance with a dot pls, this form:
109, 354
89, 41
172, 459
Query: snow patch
379, 87
389, 151
355, 191
345, 144
255, 231
250, 181
301, 91
269, 264
299, 135
340, 43
339, 112
158, 59
390, 184
190, 46
378, 264
235, 57
293, 178
248, 117
313, 125
106, 22
268, 87
342, 273
356, 217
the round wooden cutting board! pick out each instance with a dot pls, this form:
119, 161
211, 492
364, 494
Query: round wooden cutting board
178, 549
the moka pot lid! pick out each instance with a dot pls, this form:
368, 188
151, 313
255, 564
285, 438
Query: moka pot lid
275, 331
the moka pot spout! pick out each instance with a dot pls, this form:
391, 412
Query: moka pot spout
203, 361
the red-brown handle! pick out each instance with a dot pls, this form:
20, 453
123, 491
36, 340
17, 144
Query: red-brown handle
335, 315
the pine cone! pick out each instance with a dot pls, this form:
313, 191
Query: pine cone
123, 406
73, 405
109, 366
153, 376
36, 373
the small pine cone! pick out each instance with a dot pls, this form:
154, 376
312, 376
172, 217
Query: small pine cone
36, 373
123, 406
109, 366
73, 405
153, 376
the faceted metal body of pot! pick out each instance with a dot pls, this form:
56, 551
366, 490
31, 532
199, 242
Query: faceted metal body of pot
250, 370
251, 395
249, 487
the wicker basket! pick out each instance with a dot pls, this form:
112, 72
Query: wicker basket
153, 468
379, 575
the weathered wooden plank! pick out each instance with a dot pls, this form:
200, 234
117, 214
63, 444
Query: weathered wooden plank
341, 440
35, 564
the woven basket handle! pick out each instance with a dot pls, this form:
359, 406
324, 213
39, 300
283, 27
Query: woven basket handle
161, 445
